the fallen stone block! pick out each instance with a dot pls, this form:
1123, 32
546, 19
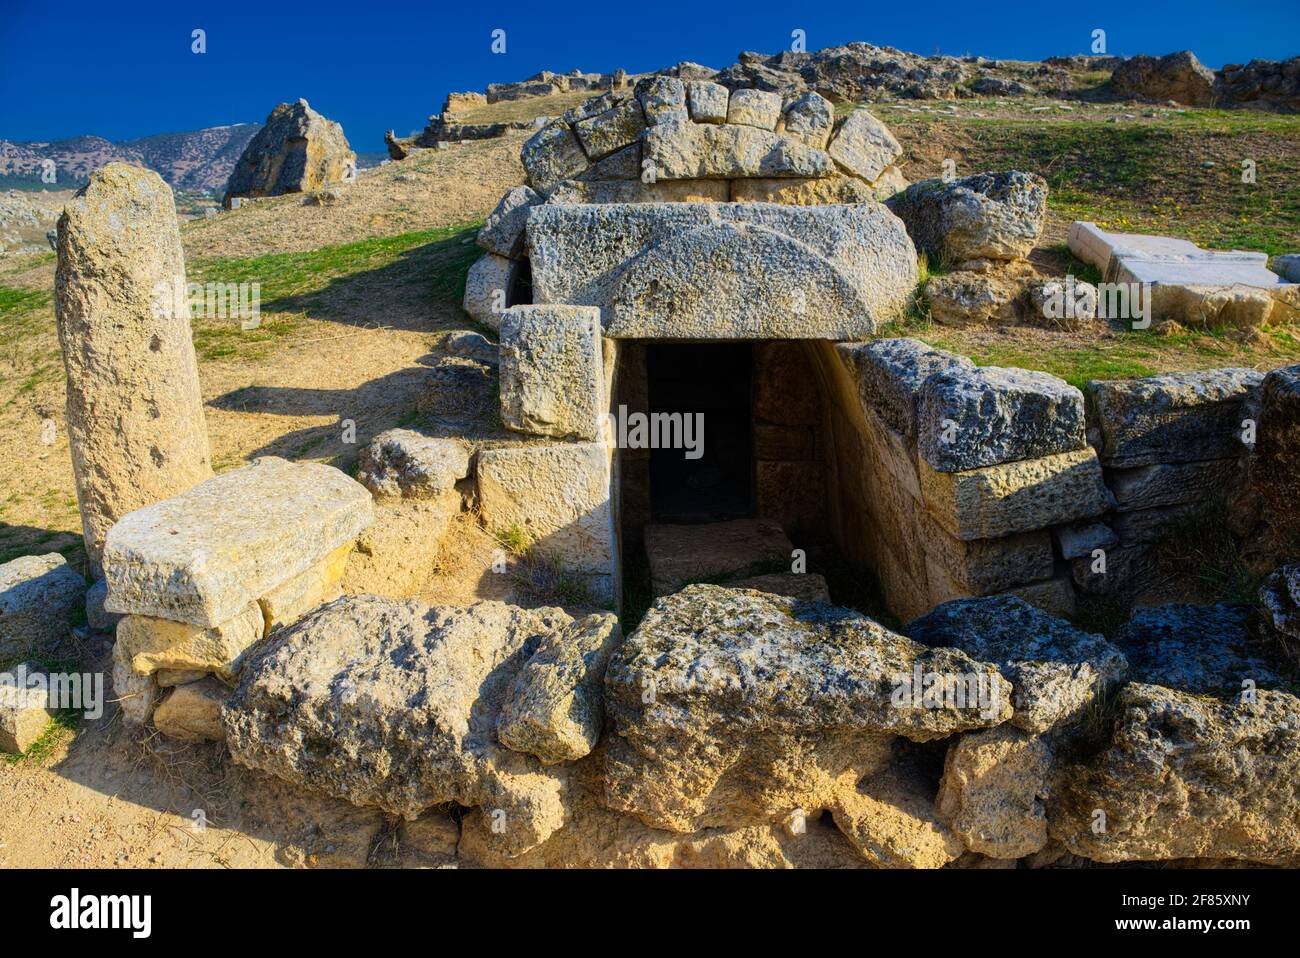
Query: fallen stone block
863, 146
966, 298
552, 371
503, 231
968, 418
398, 555
97, 617
703, 736
24, 711
41, 598
1015, 496
192, 712
1056, 670
488, 287
996, 216
555, 707
402, 463
890, 373
205, 556
297, 150
1173, 417
1185, 776
681, 554
395, 705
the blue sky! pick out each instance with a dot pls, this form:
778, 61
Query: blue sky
125, 69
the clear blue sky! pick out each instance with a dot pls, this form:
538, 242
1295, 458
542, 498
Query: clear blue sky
124, 69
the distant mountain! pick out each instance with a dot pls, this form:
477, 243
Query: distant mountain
197, 161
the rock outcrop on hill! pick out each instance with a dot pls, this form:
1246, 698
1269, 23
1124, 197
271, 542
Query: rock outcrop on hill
1176, 76
297, 151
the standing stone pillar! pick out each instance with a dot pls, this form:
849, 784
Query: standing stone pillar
135, 415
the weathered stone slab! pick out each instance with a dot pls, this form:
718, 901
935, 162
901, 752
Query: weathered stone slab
708, 101
134, 409
290, 600
394, 705
204, 556
806, 191
724, 271
1172, 483
503, 231
969, 418
863, 146
555, 706
1055, 669
1201, 649
758, 108
404, 464
1173, 417
968, 298
635, 191
150, 643
556, 495
680, 554
682, 150
1185, 776
487, 288
552, 373
733, 707
986, 216
1153, 525
552, 154
40, 600
890, 373
192, 712
1016, 496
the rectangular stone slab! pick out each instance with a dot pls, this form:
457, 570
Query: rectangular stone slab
203, 556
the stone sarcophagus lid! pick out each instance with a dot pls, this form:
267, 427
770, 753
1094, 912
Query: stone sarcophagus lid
719, 271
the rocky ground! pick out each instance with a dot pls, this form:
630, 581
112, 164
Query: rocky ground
359, 290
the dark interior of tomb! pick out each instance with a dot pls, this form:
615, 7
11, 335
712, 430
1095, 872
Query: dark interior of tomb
712, 380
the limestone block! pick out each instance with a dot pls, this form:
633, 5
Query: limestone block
807, 191
792, 493
168, 678
890, 817
708, 101
290, 600
24, 709
97, 617
624, 164
402, 463
295, 151
557, 495
555, 707
488, 287
966, 298
774, 443
1173, 417
135, 694
1152, 525
682, 150
1055, 596
134, 410
635, 191
810, 118
758, 108
552, 154
890, 373
863, 146
680, 554
1275, 470
996, 216
982, 417
150, 643
1172, 483
398, 555
205, 556
994, 791
663, 99
984, 566
192, 712
503, 231
1016, 496
808, 586
552, 380
1079, 539
612, 130
40, 600
1123, 571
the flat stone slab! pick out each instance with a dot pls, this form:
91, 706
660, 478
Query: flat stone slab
205, 555
724, 270
680, 554
40, 597
1140, 258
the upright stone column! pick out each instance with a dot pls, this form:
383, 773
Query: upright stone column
135, 415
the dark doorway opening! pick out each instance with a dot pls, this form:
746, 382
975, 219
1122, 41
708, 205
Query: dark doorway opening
713, 382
